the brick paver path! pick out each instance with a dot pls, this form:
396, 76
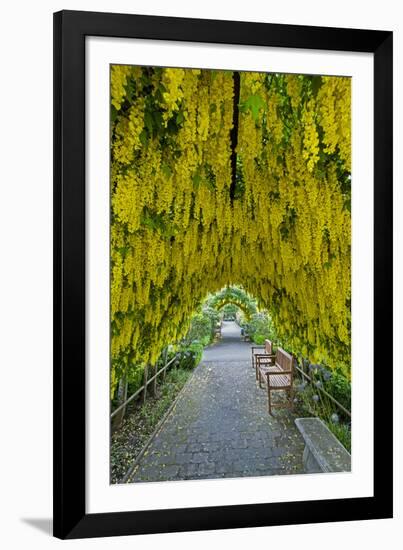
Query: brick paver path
220, 426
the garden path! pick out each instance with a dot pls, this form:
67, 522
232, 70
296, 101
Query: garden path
219, 426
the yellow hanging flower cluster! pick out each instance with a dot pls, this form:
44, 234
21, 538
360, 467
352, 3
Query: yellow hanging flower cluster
334, 101
177, 231
172, 80
119, 74
311, 139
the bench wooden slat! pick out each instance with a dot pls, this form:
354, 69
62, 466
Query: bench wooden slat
278, 377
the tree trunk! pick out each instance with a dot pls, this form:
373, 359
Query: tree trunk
144, 396
122, 396
164, 373
154, 384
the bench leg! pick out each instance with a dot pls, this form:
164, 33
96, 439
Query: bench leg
268, 398
311, 465
259, 374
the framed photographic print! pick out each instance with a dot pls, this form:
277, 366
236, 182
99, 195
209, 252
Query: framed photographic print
223, 274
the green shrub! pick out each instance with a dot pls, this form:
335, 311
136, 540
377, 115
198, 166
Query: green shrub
189, 356
340, 388
214, 317
260, 327
342, 432
197, 349
201, 329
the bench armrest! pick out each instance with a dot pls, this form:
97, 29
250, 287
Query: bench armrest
278, 373
256, 347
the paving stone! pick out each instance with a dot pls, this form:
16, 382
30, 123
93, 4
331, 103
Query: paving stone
239, 444
206, 469
210, 447
198, 458
183, 458
159, 458
189, 470
170, 471
224, 467
194, 448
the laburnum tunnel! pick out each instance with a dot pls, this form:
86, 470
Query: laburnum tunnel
221, 178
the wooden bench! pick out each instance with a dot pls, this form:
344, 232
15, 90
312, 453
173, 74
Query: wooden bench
266, 354
323, 451
277, 375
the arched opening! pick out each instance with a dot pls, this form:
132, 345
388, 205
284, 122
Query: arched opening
236, 296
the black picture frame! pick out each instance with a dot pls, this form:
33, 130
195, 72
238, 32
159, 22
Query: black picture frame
70, 30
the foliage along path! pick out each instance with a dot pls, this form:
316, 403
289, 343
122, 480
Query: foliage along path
220, 427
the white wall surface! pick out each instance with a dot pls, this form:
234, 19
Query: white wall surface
26, 272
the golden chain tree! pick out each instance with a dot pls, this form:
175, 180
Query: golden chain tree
179, 229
